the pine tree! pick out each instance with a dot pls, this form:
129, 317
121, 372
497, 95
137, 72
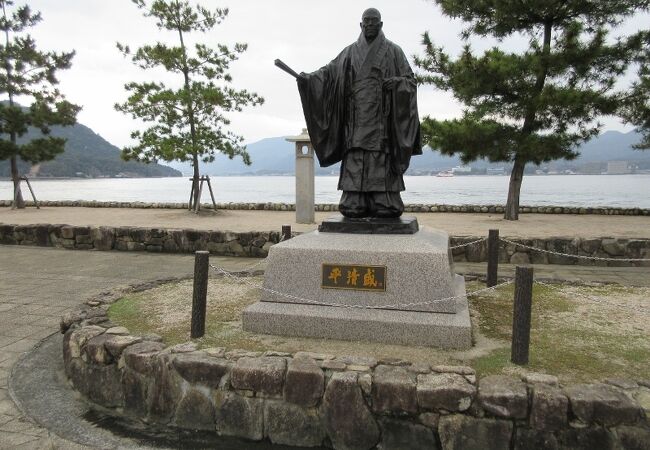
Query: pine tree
635, 108
532, 106
188, 122
29, 74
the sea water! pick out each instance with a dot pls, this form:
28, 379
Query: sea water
626, 191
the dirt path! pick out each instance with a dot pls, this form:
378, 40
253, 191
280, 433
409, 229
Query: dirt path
457, 224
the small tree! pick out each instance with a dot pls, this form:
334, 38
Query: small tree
29, 73
188, 122
537, 105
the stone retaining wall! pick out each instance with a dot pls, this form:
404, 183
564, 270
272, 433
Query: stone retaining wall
409, 208
307, 399
257, 244
223, 243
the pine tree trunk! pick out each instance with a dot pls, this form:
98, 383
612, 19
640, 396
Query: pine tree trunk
514, 189
195, 181
15, 176
517, 174
190, 116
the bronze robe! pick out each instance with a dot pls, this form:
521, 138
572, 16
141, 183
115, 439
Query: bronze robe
352, 119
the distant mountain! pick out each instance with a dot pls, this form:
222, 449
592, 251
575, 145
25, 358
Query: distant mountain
276, 156
613, 146
86, 154
269, 156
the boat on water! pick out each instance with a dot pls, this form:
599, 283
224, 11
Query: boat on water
445, 173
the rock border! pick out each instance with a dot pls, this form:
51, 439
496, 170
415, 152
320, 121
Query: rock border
308, 399
257, 244
409, 208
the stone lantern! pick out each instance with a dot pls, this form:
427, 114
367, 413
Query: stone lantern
304, 177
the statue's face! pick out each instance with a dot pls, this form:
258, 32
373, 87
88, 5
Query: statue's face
371, 24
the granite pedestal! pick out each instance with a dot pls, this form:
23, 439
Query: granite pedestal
423, 302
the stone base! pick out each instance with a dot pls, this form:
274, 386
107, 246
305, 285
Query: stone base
418, 272
447, 331
369, 225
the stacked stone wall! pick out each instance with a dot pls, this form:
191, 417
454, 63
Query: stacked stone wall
612, 251
308, 399
320, 207
223, 243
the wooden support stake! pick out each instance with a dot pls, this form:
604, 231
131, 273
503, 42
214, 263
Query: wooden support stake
29, 185
286, 232
190, 203
197, 206
214, 203
521, 315
200, 293
493, 258
14, 205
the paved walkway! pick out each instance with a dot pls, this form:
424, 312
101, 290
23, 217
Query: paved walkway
38, 285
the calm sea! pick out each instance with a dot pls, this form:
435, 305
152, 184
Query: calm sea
564, 190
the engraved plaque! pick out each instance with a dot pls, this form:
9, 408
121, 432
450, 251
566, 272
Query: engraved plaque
353, 276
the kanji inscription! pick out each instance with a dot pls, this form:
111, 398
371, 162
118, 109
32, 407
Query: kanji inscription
347, 276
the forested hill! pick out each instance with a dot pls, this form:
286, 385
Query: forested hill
87, 154
276, 156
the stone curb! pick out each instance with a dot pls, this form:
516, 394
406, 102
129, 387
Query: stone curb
257, 244
409, 208
307, 399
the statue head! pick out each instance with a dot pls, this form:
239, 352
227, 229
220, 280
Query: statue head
371, 23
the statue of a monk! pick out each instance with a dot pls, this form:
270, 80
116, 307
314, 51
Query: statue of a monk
361, 109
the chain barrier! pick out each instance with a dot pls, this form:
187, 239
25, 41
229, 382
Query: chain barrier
595, 258
517, 244
591, 298
239, 271
467, 244
245, 281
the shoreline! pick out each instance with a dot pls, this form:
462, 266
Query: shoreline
333, 207
87, 178
248, 175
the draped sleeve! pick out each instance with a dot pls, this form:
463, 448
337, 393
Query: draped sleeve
322, 94
404, 122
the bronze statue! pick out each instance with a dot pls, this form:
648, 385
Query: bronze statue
361, 109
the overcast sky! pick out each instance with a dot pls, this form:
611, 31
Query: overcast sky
305, 34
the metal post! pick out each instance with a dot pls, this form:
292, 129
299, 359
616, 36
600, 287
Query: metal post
493, 258
200, 293
286, 232
521, 315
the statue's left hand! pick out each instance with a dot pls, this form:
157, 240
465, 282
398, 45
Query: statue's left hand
389, 83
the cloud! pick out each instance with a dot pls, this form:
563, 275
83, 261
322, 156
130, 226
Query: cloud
306, 34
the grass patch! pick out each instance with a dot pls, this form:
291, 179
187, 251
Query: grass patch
127, 313
579, 333
493, 363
